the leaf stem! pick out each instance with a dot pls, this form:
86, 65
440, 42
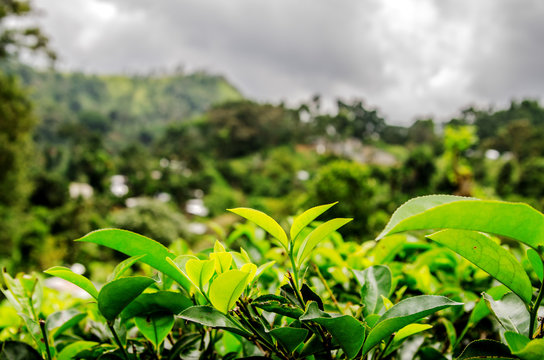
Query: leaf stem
333, 298
45, 340
117, 340
534, 309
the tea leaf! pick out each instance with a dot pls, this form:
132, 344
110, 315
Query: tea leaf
306, 218
208, 316
536, 263
200, 272
486, 349
515, 220
124, 266
375, 282
532, 351
489, 256
76, 279
266, 222
155, 327
133, 244
160, 301
116, 295
403, 313
227, 288
511, 312
289, 337
317, 235
70, 351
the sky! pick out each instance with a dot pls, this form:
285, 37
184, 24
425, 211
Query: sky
408, 58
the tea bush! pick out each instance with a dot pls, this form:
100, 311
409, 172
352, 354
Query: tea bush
304, 293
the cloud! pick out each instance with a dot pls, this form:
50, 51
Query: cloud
409, 58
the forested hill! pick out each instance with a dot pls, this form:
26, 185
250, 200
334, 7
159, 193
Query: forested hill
121, 106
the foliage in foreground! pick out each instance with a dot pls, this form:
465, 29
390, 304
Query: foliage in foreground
333, 301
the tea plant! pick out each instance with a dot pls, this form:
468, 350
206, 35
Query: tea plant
321, 298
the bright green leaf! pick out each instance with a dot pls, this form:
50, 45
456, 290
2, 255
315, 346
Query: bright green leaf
70, 351
60, 321
155, 327
403, 313
515, 341
200, 272
511, 312
227, 288
534, 350
306, 218
116, 295
251, 269
133, 244
317, 235
266, 222
375, 281
123, 266
410, 330
515, 220
223, 261
489, 256
76, 279
536, 263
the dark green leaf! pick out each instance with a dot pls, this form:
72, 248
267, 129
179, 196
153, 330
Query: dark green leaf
184, 345
15, 350
160, 301
155, 327
290, 338
208, 316
347, 331
403, 313
486, 349
116, 295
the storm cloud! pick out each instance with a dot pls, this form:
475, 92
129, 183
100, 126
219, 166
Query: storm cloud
409, 58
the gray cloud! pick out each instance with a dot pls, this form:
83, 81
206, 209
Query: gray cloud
409, 58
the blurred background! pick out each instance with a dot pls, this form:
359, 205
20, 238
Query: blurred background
156, 116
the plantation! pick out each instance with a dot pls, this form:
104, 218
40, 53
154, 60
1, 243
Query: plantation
311, 295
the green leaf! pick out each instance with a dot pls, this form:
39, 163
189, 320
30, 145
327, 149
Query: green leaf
133, 244
70, 351
155, 327
227, 288
515, 341
200, 272
345, 329
515, 220
76, 279
403, 313
160, 301
306, 218
375, 282
123, 266
536, 263
208, 316
318, 234
489, 256
481, 310
410, 330
290, 338
534, 350
278, 305
486, 349
222, 260
60, 321
15, 350
511, 312
266, 222
116, 295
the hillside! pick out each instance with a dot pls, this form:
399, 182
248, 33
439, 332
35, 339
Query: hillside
122, 106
